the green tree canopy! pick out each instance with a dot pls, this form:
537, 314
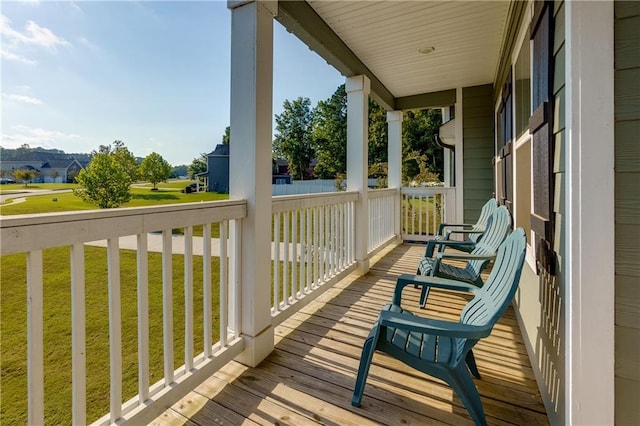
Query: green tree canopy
418, 139
155, 169
198, 165
122, 155
293, 136
104, 182
226, 138
330, 135
25, 175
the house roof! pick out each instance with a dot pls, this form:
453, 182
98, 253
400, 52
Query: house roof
383, 40
58, 164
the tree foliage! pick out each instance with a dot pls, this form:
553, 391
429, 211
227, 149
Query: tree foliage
329, 131
155, 169
198, 165
123, 156
104, 182
418, 139
25, 175
226, 138
178, 171
293, 139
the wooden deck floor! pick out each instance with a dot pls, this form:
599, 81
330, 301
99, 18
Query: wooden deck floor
309, 377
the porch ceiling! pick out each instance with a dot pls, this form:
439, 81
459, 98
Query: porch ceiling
385, 38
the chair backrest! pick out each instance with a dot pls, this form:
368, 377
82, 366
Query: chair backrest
498, 228
482, 223
490, 301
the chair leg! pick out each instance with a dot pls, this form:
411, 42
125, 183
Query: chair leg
368, 349
462, 383
424, 294
470, 360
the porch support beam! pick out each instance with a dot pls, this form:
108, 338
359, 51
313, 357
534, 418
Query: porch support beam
394, 165
250, 166
590, 209
439, 99
358, 88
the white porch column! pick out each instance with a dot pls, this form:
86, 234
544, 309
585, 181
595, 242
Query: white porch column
394, 165
250, 166
358, 88
589, 281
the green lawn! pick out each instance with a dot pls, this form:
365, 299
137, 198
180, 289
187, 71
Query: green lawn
57, 329
19, 187
66, 201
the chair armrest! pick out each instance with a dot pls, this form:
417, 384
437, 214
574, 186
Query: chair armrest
433, 326
431, 246
465, 256
466, 231
451, 225
429, 281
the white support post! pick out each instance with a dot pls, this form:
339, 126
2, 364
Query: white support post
250, 166
458, 159
358, 88
394, 178
590, 208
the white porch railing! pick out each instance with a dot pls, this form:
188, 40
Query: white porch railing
424, 209
313, 246
382, 203
31, 234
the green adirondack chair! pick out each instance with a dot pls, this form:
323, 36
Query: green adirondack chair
472, 231
484, 251
443, 349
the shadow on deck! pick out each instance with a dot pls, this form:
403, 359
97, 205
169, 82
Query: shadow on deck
309, 377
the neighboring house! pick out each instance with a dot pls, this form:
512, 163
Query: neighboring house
52, 167
217, 174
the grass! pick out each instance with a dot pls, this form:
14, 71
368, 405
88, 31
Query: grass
421, 210
66, 201
19, 187
57, 329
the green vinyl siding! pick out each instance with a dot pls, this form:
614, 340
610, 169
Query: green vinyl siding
477, 114
627, 211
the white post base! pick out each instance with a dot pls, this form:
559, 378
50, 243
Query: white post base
256, 348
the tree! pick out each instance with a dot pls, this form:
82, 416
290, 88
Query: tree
54, 174
104, 182
294, 136
155, 169
25, 175
178, 171
226, 138
418, 134
123, 156
330, 135
197, 166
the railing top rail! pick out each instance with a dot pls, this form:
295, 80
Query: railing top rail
381, 193
428, 190
285, 203
23, 233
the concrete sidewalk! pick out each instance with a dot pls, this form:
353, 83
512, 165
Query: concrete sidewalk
154, 244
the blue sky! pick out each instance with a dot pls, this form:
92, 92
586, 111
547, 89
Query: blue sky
155, 75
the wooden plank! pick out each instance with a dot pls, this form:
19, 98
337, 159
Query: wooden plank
627, 199
627, 43
627, 397
309, 378
627, 94
626, 9
627, 301
627, 250
627, 146
627, 360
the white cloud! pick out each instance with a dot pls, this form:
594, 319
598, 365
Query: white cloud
85, 42
22, 98
74, 5
10, 56
35, 136
34, 34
